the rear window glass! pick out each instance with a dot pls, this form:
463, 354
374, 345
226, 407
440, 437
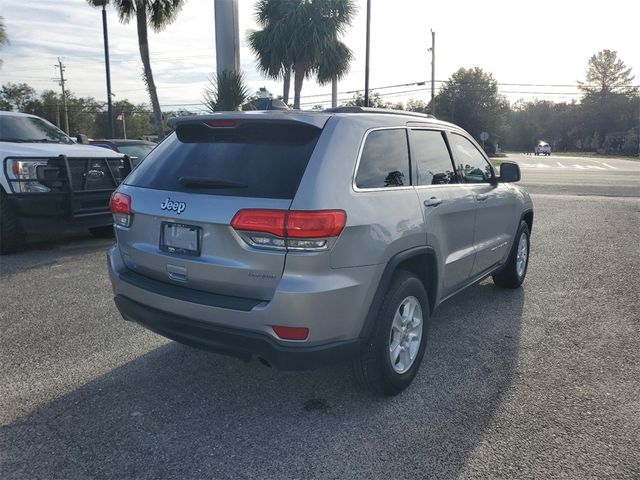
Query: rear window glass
250, 160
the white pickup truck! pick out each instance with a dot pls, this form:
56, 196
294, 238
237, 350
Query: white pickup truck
49, 182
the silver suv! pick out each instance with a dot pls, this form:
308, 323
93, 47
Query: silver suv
302, 238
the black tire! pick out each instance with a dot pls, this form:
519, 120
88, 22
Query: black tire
372, 365
11, 235
509, 277
102, 232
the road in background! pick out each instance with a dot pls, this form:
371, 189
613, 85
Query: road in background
579, 175
539, 382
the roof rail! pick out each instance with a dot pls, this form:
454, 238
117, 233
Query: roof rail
377, 110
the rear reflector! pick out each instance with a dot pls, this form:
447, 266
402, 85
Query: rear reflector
120, 203
291, 224
291, 333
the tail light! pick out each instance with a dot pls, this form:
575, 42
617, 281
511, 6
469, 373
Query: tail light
295, 230
120, 206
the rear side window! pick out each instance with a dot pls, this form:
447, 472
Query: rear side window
385, 160
430, 153
264, 160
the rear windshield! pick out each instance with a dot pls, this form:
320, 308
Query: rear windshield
262, 160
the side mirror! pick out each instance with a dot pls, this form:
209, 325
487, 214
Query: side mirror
82, 139
509, 172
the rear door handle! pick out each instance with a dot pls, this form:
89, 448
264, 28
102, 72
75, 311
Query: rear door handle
432, 202
481, 197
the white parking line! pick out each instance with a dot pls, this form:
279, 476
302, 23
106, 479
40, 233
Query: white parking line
607, 165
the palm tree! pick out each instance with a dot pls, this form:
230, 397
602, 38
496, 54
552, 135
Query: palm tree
302, 36
227, 93
156, 14
3, 35
271, 51
271, 44
334, 65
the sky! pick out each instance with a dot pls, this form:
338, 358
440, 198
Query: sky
533, 48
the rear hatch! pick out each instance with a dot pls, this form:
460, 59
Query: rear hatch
185, 194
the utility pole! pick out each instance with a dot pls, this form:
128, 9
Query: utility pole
227, 36
64, 96
124, 126
107, 68
366, 67
433, 72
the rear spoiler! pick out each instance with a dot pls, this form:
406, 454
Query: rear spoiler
315, 119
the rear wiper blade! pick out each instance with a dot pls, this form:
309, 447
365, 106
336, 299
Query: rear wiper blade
210, 182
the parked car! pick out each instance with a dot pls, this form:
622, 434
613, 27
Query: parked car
50, 183
137, 150
303, 238
543, 148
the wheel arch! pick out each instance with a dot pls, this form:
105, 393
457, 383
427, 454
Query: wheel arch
420, 261
527, 217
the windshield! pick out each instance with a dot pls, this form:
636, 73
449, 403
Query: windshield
138, 151
14, 128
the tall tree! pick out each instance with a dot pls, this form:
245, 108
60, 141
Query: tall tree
608, 99
156, 14
607, 74
3, 36
303, 37
19, 96
470, 99
271, 44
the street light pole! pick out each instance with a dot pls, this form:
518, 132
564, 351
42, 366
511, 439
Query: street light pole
366, 67
108, 69
433, 72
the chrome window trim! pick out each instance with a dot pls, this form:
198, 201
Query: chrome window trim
360, 150
456, 184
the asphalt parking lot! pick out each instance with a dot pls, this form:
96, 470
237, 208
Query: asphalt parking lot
541, 382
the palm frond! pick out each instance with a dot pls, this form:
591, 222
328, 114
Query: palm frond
162, 12
227, 93
334, 62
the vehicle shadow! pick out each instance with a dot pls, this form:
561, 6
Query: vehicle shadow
177, 412
42, 251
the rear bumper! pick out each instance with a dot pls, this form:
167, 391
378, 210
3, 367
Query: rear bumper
332, 305
235, 342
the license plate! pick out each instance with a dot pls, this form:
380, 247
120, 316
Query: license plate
180, 238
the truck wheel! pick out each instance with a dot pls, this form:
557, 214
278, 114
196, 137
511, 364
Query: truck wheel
11, 234
513, 273
102, 232
391, 357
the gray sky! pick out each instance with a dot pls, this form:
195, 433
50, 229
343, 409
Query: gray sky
528, 44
